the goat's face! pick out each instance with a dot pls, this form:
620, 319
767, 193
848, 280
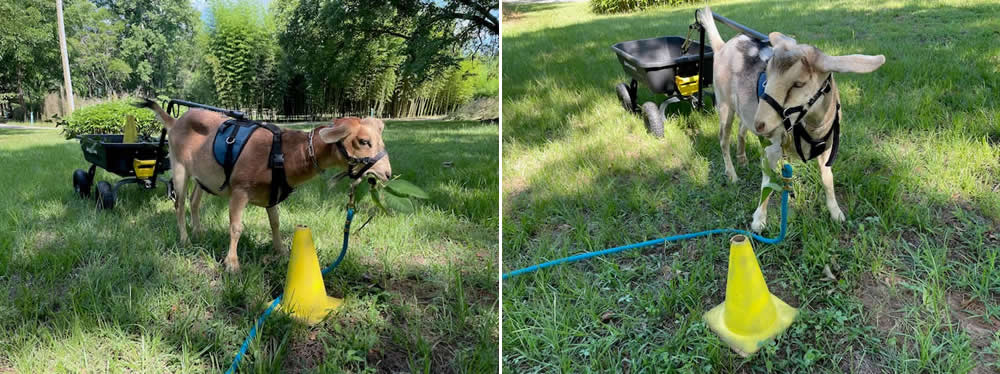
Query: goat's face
362, 138
796, 72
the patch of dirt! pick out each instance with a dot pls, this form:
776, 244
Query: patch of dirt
412, 288
46, 239
860, 363
305, 353
969, 314
883, 303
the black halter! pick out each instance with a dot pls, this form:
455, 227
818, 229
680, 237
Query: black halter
799, 132
365, 162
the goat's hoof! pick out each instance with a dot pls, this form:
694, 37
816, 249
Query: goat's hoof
837, 216
758, 226
232, 264
733, 178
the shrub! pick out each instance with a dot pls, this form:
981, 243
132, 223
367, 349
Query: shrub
109, 118
622, 6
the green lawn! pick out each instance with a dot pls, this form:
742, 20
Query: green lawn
96, 291
917, 285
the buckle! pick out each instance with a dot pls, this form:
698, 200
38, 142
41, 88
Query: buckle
230, 140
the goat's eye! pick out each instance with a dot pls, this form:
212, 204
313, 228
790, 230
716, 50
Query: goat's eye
799, 84
364, 142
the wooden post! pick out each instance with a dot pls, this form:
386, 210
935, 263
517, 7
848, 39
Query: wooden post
65, 57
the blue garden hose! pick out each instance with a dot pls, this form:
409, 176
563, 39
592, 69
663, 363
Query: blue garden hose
786, 173
267, 312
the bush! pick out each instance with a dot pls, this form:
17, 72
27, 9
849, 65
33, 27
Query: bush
109, 118
622, 6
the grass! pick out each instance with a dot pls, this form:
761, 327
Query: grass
95, 291
917, 287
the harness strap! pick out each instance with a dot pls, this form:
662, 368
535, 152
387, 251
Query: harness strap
365, 162
279, 180
799, 133
817, 147
231, 154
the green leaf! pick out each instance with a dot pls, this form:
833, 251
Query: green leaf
402, 188
378, 202
399, 204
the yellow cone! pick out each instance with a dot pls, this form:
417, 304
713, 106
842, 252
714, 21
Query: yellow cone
305, 295
751, 316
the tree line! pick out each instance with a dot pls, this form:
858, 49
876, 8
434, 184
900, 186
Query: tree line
293, 57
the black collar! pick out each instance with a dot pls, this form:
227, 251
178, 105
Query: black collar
797, 129
365, 162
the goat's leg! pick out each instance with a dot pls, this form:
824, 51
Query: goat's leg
826, 174
725, 127
741, 146
272, 217
180, 191
196, 227
237, 202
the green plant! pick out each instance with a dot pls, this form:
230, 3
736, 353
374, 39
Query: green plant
623, 6
109, 118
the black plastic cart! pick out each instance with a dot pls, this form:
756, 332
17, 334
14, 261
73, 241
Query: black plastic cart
675, 66
141, 163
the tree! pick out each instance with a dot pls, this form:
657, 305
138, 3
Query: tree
152, 31
28, 59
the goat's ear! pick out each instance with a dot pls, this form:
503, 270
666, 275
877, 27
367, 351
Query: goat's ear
848, 64
374, 122
781, 40
335, 133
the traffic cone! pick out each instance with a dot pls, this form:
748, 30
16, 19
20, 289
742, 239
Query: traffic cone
305, 295
751, 316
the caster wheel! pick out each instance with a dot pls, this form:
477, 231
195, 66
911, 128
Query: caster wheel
626, 99
81, 183
105, 195
653, 118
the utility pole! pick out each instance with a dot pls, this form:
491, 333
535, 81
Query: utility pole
65, 56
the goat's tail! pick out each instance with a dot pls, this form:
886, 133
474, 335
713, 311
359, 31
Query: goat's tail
707, 22
161, 114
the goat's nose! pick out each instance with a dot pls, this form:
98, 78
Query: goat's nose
388, 175
760, 126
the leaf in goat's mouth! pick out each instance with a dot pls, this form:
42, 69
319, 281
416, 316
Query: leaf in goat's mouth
399, 196
402, 188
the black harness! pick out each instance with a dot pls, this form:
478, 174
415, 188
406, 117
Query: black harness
352, 162
798, 130
276, 162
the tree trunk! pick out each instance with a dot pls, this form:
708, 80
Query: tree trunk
65, 57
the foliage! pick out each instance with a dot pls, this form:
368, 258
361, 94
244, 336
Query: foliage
622, 6
241, 52
349, 57
109, 118
28, 65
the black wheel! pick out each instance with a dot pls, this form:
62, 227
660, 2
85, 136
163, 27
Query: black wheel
625, 98
105, 195
81, 183
171, 193
653, 118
